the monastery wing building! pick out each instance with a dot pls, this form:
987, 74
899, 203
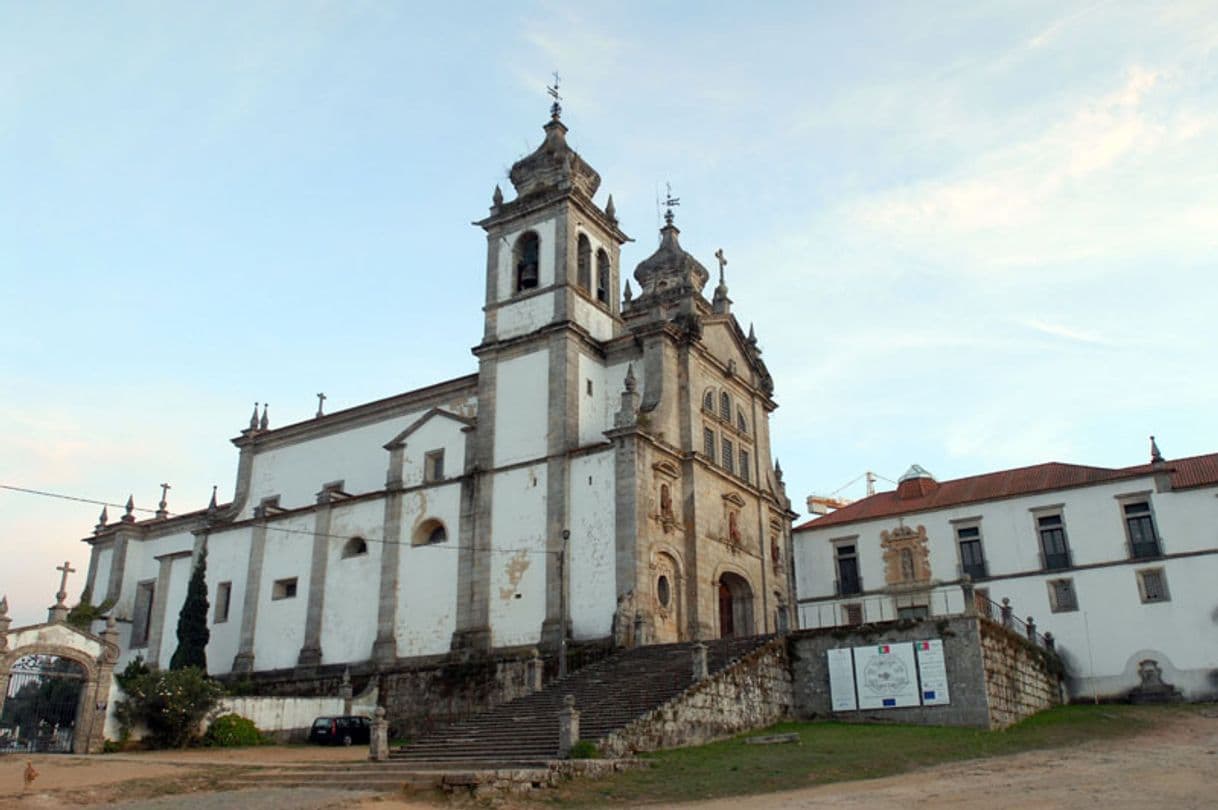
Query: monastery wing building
609, 462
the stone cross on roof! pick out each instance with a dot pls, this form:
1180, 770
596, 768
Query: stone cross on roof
66, 568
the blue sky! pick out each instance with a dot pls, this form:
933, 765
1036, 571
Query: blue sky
971, 236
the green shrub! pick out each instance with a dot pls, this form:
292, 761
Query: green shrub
170, 704
584, 749
232, 730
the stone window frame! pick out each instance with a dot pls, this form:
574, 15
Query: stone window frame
1057, 587
742, 424
851, 610
1128, 499
710, 444
969, 524
836, 543
745, 474
1147, 596
433, 466
1040, 513
431, 532
604, 276
728, 455
583, 262
285, 588
224, 601
725, 406
141, 627
708, 400
518, 257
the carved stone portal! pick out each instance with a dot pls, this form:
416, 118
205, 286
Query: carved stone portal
906, 556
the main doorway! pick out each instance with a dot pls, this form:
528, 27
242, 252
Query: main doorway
735, 606
42, 705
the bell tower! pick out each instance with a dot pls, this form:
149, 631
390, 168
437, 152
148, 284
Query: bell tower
552, 253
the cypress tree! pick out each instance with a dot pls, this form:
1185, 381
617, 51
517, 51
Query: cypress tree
192, 621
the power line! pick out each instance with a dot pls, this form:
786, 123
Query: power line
284, 529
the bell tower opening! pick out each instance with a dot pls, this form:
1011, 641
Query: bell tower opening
528, 259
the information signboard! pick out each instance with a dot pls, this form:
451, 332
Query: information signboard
886, 676
932, 672
841, 680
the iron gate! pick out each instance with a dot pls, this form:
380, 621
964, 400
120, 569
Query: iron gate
41, 704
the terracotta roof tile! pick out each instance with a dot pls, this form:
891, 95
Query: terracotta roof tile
1196, 471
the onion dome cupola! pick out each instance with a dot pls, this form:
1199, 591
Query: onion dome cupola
554, 166
670, 268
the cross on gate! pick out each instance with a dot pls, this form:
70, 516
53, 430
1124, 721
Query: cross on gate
63, 581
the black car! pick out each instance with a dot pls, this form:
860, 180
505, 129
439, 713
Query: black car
349, 730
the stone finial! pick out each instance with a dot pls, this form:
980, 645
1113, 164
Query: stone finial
102, 520
5, 621
378, 746
321, 401
1155, 456
254, 418
129, 510
752, 335
264, 422
211, 506
497, 197
630, 382
627, 414
610, 210
721, 304
4, 606
778, 471
629, 293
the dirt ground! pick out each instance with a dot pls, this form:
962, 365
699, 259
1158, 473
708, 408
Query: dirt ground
1169, 766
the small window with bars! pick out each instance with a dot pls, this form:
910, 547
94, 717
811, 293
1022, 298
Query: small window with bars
1152, 585
1062, 598
725, 406
744, 465
708, 444
852, 614
729, 455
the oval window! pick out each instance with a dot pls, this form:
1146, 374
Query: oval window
662, 591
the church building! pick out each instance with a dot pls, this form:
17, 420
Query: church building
606, 473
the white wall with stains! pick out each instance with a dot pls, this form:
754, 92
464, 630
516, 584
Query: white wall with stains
524, 316
281, 622
595, 319
592, 586
437, 433
521, 408
348, 618
228, 555
518, 559
297, 472
427, 574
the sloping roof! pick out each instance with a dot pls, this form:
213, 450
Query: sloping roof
1186, 473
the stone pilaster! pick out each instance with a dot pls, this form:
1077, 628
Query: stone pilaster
473, 631
310, 651
385, 648
244, 660
118, 566
568, 727
563, 409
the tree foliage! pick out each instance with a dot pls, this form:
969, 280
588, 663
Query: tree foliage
193, 634
85, 613
170, 704
230, 730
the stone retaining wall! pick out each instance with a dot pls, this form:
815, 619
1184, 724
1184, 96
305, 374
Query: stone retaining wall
995, 677
753, 693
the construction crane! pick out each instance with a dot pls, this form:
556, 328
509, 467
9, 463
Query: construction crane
824, 504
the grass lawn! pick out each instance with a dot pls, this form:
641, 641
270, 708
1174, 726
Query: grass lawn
835, 752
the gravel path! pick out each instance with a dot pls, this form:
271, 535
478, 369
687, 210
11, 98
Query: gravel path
256, 799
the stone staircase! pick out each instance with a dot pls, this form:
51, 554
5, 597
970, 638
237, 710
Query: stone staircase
609, 695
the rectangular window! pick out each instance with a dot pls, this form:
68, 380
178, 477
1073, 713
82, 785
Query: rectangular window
588, 387
1140, 524
284, 589
1152, 585
729, 455
433, 466
853, 614
972, 561
1062, 598
848, 580
744, 464
708, 444
1053, 542
141, 618
224, 594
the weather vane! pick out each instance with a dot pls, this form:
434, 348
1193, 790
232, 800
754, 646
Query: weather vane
670, 202
556, 107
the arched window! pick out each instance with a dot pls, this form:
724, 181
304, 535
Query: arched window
725, 406
663, 591
602, 276
527, 255
355, 547
584, 259
429, 533
741, 423
708, 401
